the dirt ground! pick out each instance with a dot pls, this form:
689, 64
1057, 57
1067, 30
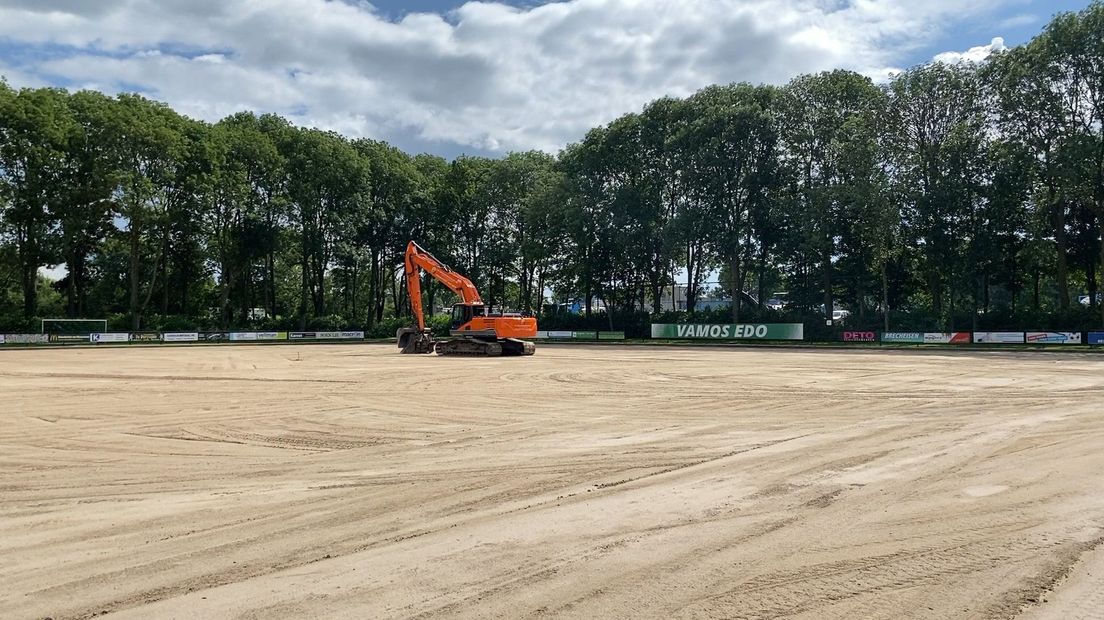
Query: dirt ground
590, 482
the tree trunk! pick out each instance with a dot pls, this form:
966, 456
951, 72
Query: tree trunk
885, 296
1101, 217
373, 286
30, 290
1035, 297
304, 288
165, 273
71, 288
540, 290
270, 283
135, 269
1063, 251
224, 295
736, 281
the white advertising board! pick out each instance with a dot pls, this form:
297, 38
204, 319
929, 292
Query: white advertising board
1053, 337
998, 337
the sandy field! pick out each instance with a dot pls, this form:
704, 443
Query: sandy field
588, 482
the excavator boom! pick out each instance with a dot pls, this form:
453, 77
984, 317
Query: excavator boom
475, 332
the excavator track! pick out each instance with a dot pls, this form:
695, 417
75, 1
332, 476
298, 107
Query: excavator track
468, 347
513, 346
473, 347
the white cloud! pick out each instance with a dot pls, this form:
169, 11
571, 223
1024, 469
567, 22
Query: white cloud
489, 76
974, 54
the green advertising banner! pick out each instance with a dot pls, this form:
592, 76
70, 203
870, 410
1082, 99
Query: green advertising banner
611, 335
751, 331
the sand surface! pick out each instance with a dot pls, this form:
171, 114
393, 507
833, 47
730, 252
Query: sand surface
589, 482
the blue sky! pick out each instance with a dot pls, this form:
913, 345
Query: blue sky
448, 77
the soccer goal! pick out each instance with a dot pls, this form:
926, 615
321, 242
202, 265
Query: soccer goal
74, 326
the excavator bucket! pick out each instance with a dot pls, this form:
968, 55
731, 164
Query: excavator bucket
414, 340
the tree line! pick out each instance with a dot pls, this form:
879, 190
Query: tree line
952, 194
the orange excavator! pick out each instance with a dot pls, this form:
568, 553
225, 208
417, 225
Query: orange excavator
474, 331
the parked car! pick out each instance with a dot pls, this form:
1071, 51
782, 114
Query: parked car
1084, 299
777, 301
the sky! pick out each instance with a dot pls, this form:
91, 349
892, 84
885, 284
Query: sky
486, 78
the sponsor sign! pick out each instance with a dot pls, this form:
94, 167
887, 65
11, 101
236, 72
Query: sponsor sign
68, 338
946, 337
340, 335
859, 336
585, 336
560, 335
109, 337
914, 337
2, 338
1094, 338
215, 336
998, 337
611, 335
302, 335
253, 336
1053, 337
29, 338
145, 337
762, 331
180, 337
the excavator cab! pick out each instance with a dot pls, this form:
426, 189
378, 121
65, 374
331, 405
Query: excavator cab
462, 314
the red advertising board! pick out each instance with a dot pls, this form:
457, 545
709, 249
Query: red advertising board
860, 337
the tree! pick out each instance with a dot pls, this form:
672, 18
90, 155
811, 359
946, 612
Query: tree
815, 111
35, 129
150, 146
736, 165
937, 121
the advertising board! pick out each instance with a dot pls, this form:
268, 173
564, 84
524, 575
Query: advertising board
2, 339
998, 337
26, 338
242, 336
1053, 337
913, 337
215, 336
859, 336
302, 335
1094, 338
761, 331
145, 337
63, 338
946, 337
109, 337
611, 335
560, 335
180, 337
340, 335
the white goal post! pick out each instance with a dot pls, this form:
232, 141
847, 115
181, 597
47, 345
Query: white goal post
73, 326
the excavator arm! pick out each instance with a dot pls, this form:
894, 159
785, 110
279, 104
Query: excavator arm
418, 259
